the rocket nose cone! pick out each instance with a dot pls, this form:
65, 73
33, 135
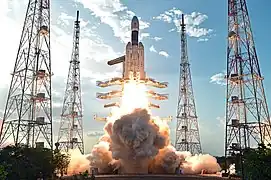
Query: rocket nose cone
135, 23
135, 19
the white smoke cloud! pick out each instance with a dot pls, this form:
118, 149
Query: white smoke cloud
101, 157
133, 138
78, 163
232, 169
137, 143
195, 164
165, 162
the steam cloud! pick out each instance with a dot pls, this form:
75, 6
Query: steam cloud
137, 143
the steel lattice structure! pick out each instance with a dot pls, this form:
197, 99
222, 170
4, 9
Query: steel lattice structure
71, 125
187, 130
247, 116
28, 112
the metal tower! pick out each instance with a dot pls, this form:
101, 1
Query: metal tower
28, 112
71, 125
247, 116
187, 130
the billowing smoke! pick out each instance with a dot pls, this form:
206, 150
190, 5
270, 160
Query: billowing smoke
195, 164
135, 142
165, 162
138, 144
232, 169
78, 163
132, 140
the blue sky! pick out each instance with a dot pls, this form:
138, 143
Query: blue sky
105, 25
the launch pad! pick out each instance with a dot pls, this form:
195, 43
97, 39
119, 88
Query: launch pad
151, 177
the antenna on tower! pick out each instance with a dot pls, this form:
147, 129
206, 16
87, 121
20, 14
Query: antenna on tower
28, 112
187, 130
247, 114
77, 16
71, 125
182, 22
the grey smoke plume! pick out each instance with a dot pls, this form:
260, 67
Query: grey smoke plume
135, 139
165, 162
137, 143
101, 157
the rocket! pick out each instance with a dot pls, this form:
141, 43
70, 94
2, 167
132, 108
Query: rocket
133, 69
133, 60
133, 63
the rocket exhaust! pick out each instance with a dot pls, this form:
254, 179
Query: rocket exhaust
134, 141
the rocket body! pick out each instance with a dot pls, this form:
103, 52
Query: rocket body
134, 57
133, 69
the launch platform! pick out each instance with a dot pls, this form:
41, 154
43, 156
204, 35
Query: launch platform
150, 177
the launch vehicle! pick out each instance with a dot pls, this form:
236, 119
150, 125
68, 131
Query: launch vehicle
133, 60
133, 69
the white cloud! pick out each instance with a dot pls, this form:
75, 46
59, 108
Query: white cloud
64, 18
164, 53
171, 30
203, 39
164, 17
96, 76
116, 15
218, 79
93, 51
192, 21
221, 121
143, 36
95, 133
157, 38
152, 49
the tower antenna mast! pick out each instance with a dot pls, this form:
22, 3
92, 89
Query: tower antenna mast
71, 125
247, 115
28, 112
187, 130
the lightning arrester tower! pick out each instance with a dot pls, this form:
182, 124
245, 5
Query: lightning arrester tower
28, 112
187, 130
71, 125
247, 116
